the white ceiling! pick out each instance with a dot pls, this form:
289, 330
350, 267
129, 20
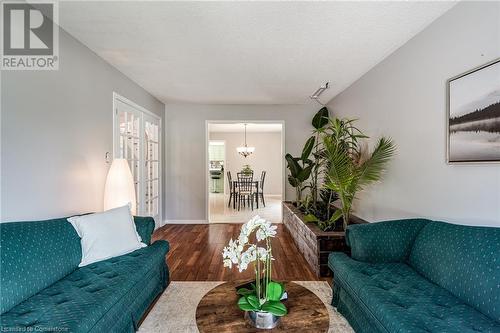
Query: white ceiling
245, 52
239, 127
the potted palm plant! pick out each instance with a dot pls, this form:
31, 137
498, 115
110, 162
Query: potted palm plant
339, 166
350, 168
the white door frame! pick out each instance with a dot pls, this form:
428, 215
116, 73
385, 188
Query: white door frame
137, 107
207, 139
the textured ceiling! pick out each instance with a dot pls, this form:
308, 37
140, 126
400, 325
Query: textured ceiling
245, 52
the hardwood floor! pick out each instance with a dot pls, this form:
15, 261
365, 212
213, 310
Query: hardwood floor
196, 254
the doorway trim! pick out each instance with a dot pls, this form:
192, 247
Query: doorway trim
248, 121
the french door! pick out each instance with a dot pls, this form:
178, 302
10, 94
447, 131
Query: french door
137, 138
152, 165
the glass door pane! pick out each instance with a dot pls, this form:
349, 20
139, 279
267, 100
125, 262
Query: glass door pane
152, 137
128, 135
137, 139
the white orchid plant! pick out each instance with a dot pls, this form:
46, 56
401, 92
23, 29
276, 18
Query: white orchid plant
265, 294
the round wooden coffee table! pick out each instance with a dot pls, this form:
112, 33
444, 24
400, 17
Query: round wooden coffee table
217, 312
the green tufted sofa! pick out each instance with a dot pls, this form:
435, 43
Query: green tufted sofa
418, 275
43, 290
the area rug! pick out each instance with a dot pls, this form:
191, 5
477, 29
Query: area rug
176, 309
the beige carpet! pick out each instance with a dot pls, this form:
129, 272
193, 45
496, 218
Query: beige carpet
175, 310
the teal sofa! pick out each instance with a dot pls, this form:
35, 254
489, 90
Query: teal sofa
42, 289
418, 275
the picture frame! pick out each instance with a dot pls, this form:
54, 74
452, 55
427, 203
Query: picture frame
473, 115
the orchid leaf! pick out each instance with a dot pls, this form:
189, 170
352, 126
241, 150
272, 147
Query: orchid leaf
274, 291
244, 305
253, 301
275, 307
245, 291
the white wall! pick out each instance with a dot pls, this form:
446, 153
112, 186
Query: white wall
404, 97
267, 157
56, 128
185, 142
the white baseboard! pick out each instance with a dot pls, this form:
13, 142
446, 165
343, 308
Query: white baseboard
185, 222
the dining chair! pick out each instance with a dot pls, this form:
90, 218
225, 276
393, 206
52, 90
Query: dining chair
232, 190
261, 187
245, 189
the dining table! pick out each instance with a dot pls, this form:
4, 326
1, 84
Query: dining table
255, 183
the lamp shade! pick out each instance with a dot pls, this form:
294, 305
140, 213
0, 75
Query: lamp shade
119, 189
245, 150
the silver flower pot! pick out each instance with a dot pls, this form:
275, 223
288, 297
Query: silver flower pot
262, 320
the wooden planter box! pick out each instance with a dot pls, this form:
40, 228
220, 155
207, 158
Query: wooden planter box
314, 244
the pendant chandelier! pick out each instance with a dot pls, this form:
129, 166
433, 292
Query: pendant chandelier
245, 150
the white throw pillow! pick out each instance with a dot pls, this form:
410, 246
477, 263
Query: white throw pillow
106, 235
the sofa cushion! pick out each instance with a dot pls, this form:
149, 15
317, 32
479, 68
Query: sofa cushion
82, 300
107, 234
404, 301
464, 260
387, 241
34, 255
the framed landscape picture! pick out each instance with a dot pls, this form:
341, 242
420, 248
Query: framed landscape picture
473, 126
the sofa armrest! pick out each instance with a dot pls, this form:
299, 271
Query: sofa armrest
145, 226
389, 241
162, 244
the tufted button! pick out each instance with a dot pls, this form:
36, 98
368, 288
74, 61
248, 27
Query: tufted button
85, 285
401, 305
93, 290
23, 314
110, 275
441, 305
57, 293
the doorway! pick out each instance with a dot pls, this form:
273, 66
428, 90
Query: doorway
137, 138
230, 199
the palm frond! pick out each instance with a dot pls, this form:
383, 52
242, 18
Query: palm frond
339, 173
372, 169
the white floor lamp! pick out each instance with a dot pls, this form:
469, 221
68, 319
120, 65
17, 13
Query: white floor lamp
119, 189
